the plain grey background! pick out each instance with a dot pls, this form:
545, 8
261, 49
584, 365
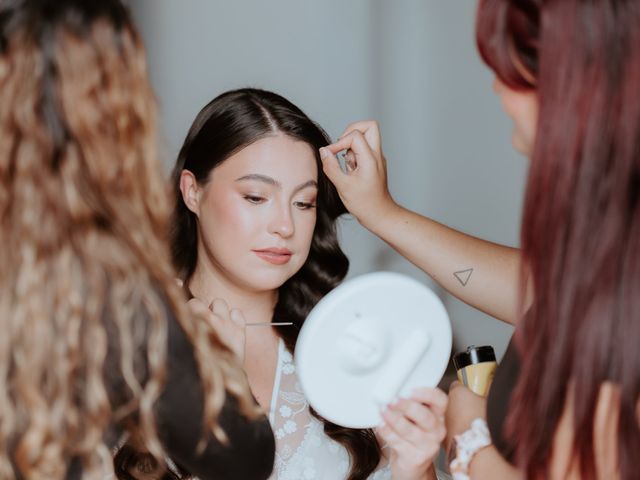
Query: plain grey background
410, 64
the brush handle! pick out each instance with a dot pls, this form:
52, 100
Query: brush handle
266, 324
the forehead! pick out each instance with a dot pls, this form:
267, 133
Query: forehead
283, 158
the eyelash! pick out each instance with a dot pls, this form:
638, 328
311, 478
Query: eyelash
253, 199
256, 200
305, 205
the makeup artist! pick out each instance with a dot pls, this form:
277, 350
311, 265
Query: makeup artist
564, 402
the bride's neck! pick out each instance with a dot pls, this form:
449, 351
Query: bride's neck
256, 306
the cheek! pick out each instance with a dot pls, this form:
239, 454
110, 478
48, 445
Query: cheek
305, 226
511, 105
532, 117
524, 111
229, 218
528, 126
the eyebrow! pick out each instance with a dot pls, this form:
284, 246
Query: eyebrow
272, 181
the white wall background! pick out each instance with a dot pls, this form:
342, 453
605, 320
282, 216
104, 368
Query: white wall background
410, 64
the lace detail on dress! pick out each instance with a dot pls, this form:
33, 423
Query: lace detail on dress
303, 451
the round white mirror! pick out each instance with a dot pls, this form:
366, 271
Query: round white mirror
370, 340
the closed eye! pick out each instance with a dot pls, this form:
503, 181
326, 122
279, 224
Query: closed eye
304, 205
254, 199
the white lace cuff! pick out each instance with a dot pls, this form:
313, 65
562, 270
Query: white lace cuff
467, 445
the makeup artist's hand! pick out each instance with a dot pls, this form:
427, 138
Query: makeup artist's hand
413, 429
464, 407
363, 189
229, 324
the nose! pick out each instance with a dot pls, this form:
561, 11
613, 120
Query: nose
498, 86
495, 85
281, 222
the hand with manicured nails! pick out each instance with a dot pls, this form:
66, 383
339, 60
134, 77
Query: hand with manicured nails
413, 429
362, 189
230, 325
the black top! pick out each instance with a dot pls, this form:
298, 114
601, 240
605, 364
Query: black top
499, 398
249, 455
251, 448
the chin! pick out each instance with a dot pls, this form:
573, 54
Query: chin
519, 145
269, 281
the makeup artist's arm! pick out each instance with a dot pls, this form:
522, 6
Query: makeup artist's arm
483, 274
465, 406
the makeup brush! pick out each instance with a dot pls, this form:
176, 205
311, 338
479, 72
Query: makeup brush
250, 324
265, 324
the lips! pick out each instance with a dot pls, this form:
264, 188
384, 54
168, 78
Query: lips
275, 256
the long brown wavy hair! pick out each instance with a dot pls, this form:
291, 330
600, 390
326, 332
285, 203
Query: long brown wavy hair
84, 265
581, 222
230, 122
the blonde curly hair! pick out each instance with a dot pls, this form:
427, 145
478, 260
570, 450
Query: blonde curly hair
83, 218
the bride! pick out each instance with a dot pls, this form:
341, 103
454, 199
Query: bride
255, 225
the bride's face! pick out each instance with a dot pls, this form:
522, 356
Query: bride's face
257, 213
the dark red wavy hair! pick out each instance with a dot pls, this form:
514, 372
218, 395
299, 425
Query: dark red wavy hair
581, 222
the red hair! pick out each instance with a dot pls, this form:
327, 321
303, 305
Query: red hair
581, 223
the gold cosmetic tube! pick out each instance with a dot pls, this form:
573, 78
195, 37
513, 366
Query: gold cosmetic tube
476, 367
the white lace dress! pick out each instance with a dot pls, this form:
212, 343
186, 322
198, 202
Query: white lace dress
303, 450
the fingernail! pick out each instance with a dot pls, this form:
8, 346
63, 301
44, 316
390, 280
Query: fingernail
324, 152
